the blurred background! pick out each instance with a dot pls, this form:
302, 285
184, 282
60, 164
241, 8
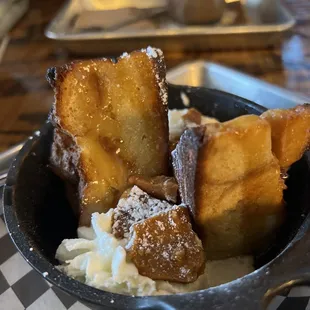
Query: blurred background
265, 38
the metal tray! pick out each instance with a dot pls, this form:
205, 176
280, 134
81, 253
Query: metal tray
212, 75
264, 29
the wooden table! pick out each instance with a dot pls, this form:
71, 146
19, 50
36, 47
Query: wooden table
25, 96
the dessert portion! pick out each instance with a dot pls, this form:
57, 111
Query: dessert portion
165, 247
98, 259
156, 230
107, 116
230, 176
237, 183
160, 239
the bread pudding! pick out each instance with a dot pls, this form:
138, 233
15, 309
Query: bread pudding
163, 197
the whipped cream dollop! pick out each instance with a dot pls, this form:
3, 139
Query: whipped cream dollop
98, 259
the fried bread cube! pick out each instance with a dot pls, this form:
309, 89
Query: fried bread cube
231, 182
114, 113
235, 148
236, 218
165, 247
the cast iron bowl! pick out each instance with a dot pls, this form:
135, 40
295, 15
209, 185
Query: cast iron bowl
38, 216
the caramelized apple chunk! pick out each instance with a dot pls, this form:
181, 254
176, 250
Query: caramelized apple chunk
164, 247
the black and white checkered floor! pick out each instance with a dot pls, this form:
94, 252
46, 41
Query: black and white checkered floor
23, 288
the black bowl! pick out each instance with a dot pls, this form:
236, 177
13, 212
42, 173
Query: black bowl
38, 216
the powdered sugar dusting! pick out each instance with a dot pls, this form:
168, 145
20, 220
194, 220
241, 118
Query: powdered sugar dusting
160, 52
162, 89
136, 207
124, 55
164, 246
152, 52
156, 53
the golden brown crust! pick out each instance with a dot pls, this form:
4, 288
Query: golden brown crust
232, 182
236, 218
64, 156
164, 247
115, 113
290, 131
235, 148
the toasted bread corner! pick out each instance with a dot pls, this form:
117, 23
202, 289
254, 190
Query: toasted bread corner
290, 133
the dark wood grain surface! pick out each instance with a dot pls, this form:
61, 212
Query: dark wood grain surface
25, 96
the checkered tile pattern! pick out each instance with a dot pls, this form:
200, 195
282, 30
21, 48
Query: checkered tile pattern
23, 288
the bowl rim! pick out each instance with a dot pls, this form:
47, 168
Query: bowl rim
261, 280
